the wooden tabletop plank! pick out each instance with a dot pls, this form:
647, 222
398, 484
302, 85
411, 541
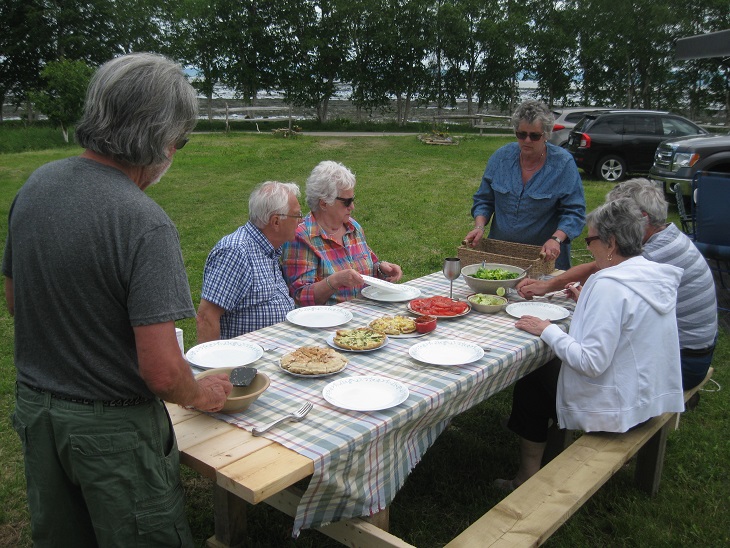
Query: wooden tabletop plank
231, 446
264, 473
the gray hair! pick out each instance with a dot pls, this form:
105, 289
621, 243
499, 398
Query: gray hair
325, 182
622, 220
646, 195
136, 107
270, 198
532, 111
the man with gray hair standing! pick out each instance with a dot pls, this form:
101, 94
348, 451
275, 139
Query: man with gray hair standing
663, 243
243, 287
95, 279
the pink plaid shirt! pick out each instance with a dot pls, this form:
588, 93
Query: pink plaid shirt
313, 256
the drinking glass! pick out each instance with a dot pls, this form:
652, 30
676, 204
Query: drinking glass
452, 270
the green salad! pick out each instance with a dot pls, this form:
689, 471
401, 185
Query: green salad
495, 274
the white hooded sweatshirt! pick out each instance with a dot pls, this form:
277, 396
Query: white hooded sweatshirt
621, 357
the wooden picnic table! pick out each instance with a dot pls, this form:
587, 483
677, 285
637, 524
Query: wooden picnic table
332, 440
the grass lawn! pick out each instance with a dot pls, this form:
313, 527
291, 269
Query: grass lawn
413, 201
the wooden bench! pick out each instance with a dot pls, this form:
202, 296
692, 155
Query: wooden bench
536, 509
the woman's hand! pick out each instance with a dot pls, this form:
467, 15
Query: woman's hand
531, 324
346, 278
574, 291
551, 249
392, 272
474, 237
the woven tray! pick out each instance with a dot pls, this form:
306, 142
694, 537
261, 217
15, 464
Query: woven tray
499, 251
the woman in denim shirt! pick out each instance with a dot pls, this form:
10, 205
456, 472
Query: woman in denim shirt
531, 190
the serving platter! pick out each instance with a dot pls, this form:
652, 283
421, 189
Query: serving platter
319, 316
407, 293
446, 352
331, 342
316, 376
439, 316
225, 353
365, 393
544, 311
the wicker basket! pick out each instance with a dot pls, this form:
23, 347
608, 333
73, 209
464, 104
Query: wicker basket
498, 251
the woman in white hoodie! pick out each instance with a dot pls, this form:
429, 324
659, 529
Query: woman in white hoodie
619, 364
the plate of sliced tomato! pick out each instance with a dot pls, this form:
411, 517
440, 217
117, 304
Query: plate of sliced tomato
439, 307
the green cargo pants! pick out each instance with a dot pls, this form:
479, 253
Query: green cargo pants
99, 475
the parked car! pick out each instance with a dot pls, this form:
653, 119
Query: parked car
616, 142
678, 160
565, 120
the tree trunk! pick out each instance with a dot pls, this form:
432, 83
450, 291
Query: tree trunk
209, 98
64, 130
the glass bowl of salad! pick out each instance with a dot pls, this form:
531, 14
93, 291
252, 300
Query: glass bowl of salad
482, 302
490, 277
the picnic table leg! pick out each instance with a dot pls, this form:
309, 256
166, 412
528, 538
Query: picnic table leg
381, 520
650, 461
230, 520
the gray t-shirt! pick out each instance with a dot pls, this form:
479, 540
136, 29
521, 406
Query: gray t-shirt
90, 256
696, 299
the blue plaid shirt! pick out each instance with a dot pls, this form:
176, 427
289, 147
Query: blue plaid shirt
242, 275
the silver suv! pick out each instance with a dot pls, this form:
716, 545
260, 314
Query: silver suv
565, 119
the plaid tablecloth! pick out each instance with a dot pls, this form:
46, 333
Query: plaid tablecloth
361, 459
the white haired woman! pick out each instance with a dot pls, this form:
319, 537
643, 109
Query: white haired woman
531, 190
329, 255
620, 359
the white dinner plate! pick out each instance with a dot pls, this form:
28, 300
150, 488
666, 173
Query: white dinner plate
331, 342
446, 352
319, 316
544, 311
384, 285
226, 353
365, 393
406, 293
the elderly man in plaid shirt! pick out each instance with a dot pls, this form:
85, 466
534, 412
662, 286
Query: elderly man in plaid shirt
243, 288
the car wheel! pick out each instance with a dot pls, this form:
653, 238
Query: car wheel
611, 169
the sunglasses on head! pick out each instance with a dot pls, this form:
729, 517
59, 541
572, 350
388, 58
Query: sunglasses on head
181, 143
590, 239
522, 135
346, 201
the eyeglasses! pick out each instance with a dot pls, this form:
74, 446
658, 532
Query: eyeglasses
522, 135
346, 201
181, 143
297, 216
589, 239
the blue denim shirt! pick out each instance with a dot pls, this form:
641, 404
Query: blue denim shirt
529, 214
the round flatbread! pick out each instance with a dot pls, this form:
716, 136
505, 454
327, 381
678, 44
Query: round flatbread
362, 338
393, 325
313, 360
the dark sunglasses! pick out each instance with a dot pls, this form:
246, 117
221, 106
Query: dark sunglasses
589, 239
181, 143
522, 135
346, 201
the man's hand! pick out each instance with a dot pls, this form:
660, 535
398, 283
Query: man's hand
213, 391
529, 288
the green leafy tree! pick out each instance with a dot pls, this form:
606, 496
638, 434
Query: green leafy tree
316, 57
550, 50
62, 96
196, 37
365, 69
408, 35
